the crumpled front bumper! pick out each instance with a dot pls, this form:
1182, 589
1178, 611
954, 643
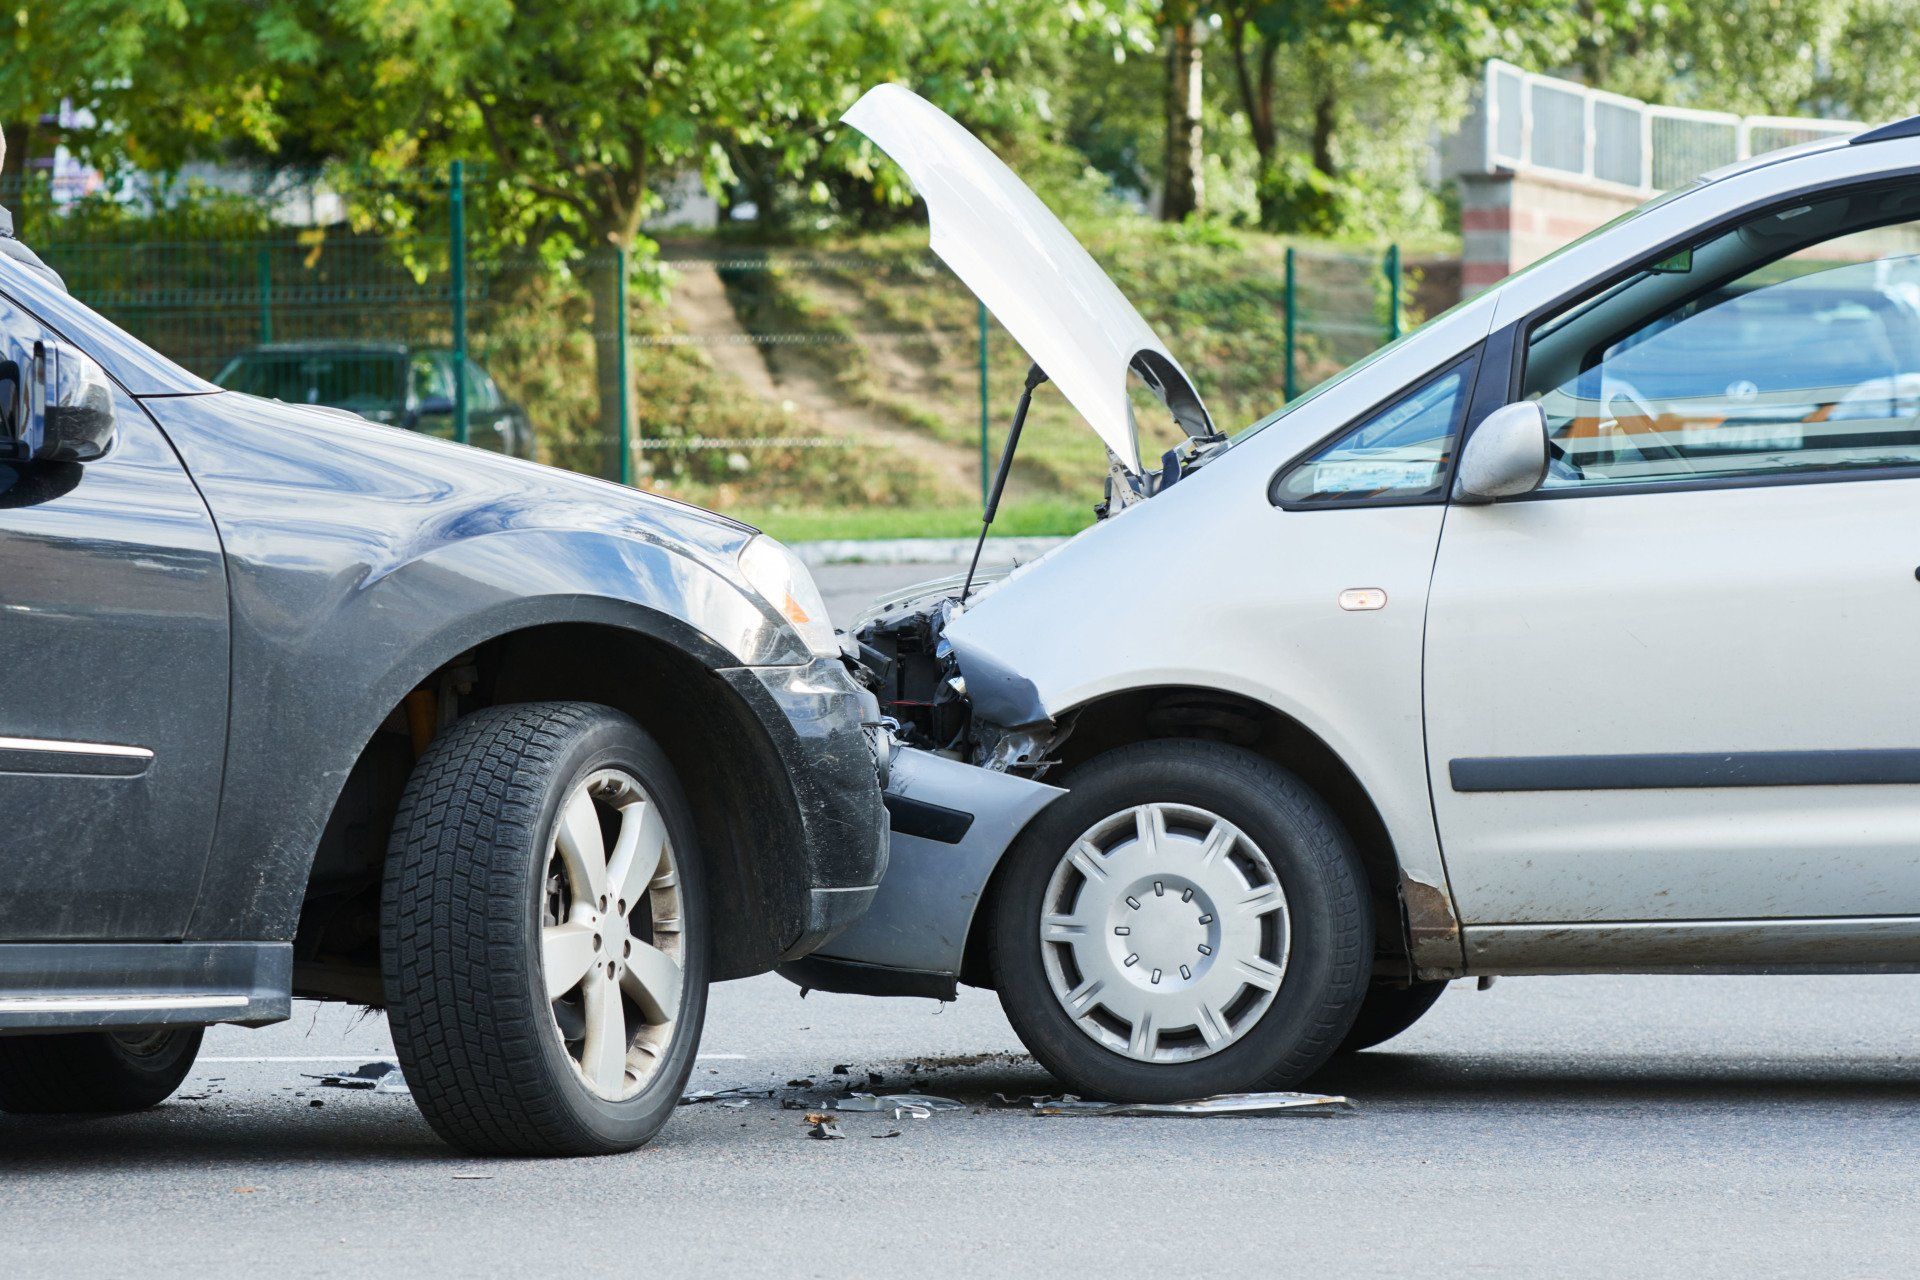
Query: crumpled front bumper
951, 824
834, 750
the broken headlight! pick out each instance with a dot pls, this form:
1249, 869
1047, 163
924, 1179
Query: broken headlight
783, 582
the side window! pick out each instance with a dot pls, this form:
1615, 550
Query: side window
481, 393
1399, 454
427, 378
1790, 344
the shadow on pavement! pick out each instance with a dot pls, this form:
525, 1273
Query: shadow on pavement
186, 1135
1413, 1080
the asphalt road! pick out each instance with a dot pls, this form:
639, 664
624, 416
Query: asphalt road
1596, 1126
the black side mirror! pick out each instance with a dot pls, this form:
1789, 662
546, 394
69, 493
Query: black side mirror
55, 405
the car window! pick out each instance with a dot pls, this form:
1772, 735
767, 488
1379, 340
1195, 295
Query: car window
427, 379
1737, 359
365, 382
481, 391
1398, 454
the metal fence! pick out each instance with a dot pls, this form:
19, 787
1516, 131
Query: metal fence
1529, 121
867, 376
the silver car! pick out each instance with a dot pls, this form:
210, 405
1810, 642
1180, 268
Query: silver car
1568, 634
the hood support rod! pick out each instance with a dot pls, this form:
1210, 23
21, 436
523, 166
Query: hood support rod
1035, 376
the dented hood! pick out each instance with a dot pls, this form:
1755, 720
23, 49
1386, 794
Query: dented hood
1028, 269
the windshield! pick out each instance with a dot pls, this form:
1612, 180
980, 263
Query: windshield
361, 381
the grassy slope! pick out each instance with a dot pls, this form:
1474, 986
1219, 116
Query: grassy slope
897, 335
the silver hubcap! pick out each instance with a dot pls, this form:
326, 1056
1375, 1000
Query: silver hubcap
1165, 933
611, 950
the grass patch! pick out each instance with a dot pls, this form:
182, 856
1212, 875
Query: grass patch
1036, 517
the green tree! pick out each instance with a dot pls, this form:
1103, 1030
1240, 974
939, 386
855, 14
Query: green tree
122, 83
1305, 69
585, 111
1840, 58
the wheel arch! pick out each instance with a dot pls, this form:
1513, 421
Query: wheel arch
648, 665
1414, 921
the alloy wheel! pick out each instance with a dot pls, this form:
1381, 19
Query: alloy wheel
611, 947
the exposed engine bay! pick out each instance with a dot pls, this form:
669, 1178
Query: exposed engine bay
913, 669
906, 659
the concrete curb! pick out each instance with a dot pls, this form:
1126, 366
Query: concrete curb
920, 550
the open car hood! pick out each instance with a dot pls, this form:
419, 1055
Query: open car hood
1027, 268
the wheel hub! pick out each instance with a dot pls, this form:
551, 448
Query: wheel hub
610, 939
1165, 933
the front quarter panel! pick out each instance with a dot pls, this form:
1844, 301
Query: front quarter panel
361, 558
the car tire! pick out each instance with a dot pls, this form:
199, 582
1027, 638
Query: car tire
534, 1011
1387, 1011
1234, 890
93, 1072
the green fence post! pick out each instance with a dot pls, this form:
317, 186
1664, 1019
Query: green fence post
983, 403
1292, 315
1392, 268
457, 250
264, 267
626, 382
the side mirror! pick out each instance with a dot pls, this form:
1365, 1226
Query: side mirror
56, 404
1505, 457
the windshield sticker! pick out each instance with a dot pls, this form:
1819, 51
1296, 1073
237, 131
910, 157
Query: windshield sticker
1368, 475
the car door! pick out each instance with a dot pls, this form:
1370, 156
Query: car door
1676, 684
113, 719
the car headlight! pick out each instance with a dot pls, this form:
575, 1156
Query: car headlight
783, 582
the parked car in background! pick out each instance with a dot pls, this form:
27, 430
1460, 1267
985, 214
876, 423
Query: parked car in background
1571, 633
390, 382
301, 705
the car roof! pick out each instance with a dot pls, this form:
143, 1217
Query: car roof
332, 347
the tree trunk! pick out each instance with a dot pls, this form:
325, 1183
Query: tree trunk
1591, 54
1325, 117
1184, 188
1254, 74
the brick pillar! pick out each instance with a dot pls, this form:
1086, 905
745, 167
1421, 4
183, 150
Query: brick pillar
1508, 220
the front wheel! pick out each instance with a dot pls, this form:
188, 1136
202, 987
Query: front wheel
1189, 920
542, 931
95, 1071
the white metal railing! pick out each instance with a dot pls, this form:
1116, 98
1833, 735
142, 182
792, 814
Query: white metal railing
1531, 121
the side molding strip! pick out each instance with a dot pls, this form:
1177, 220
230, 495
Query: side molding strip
910, 817
1702, 769
115, 1004
89, 759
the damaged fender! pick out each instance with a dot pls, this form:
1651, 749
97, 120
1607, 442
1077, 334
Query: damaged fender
951, 824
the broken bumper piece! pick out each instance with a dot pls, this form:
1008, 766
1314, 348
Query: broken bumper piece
950, 825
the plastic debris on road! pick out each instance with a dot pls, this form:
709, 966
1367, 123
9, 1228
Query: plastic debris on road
729, 1098
919, 1106
1223, 1104
823, 1126
380, 1077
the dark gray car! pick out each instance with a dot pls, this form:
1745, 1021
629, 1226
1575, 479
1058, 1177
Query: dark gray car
297, 704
